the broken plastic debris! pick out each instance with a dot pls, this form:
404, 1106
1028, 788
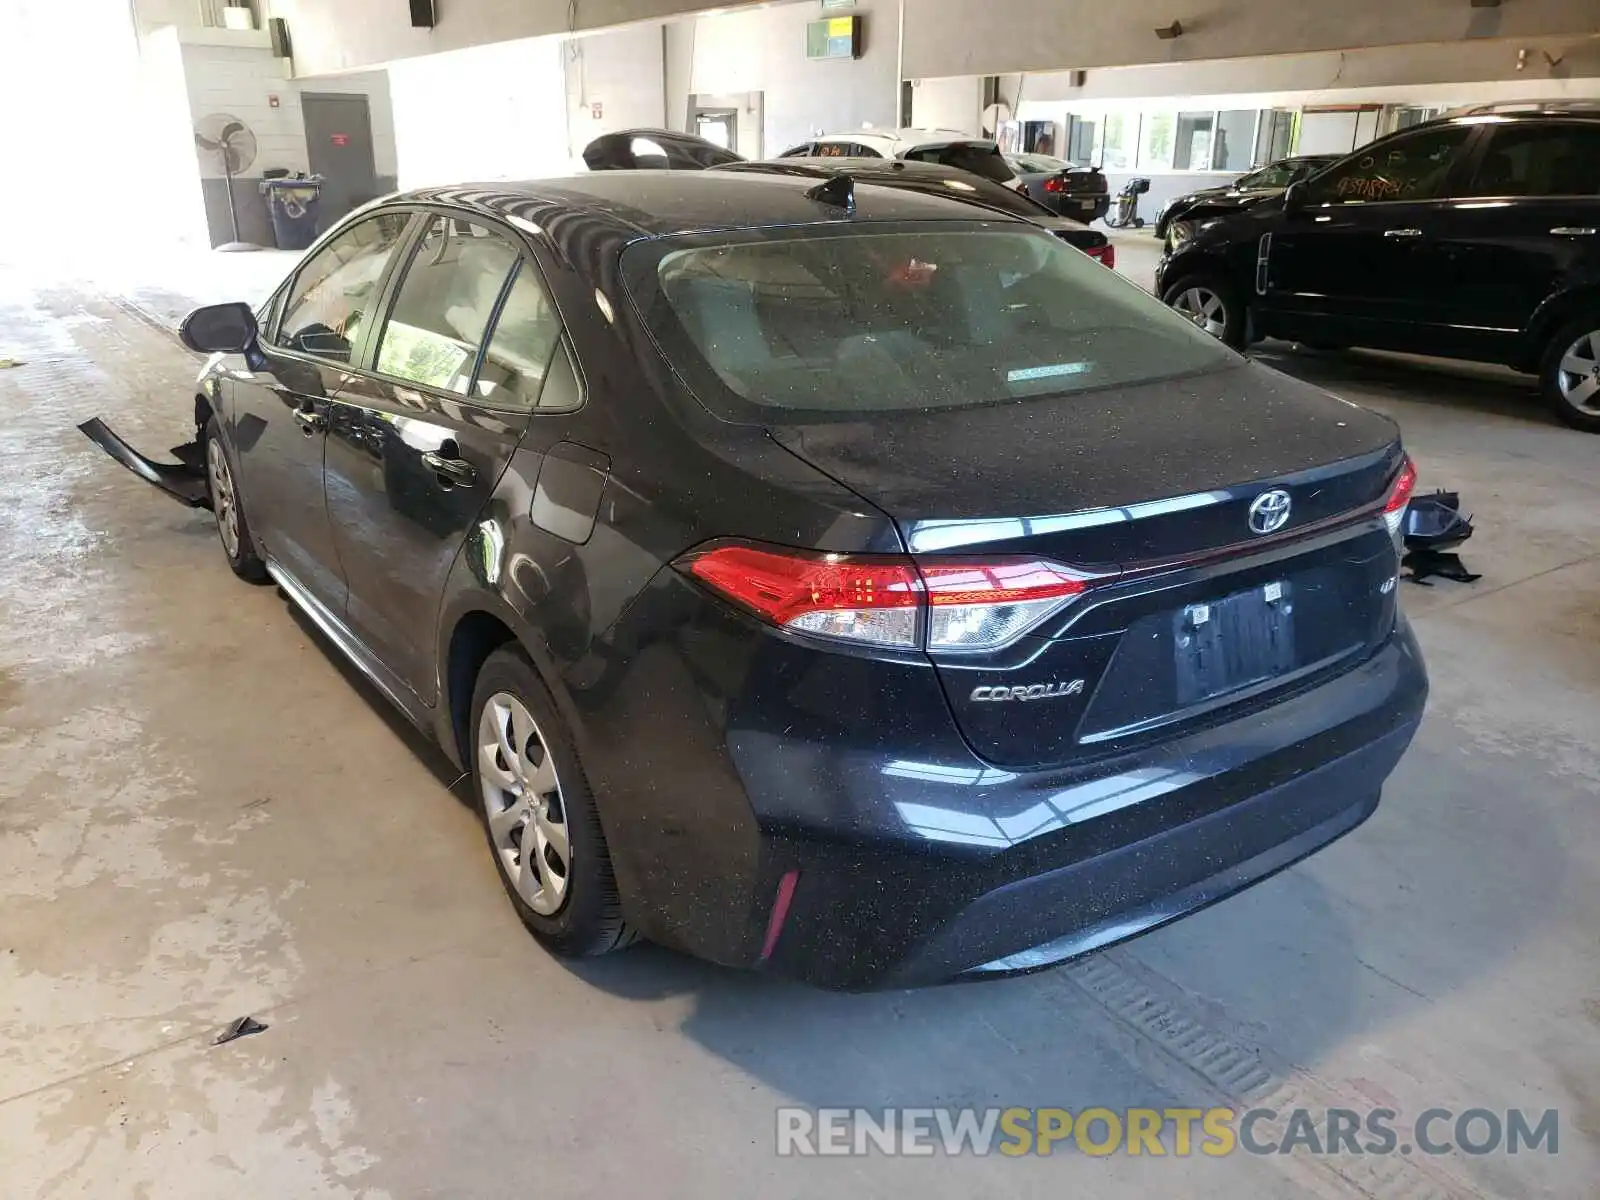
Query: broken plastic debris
243, 1027
11, 362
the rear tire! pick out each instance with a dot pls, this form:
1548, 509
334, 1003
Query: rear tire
1569, 377
222, 489
539, 814
1212, 303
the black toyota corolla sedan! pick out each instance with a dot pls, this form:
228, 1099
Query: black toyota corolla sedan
832, 580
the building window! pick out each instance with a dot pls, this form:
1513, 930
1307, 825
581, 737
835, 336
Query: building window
1192, 147
1121, 138
1155, 147
1233, 147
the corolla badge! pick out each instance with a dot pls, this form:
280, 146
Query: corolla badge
1028, 691
1269, 512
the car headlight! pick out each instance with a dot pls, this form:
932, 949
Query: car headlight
1180, 232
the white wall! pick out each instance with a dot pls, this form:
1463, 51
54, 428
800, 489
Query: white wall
765, 50
624, 73
167, 148
947, 103
1327, 133
494, 112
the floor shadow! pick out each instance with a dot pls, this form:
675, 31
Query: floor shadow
1437, 383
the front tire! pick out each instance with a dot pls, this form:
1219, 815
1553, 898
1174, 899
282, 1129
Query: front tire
1569, 378
1212, 303
539, 814
222, 488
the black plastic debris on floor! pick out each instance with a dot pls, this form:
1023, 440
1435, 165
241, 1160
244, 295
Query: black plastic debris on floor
1433, 528
243, 1027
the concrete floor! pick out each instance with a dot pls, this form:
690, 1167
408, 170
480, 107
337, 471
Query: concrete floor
203, 815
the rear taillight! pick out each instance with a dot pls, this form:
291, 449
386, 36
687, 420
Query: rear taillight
876, 601
946, 606
1107, 254
986, 605
1055, 184
1394, 508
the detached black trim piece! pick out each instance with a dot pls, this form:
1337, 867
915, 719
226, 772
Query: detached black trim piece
183, 480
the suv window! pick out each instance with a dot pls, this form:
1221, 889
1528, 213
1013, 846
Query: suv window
1408, 168
1540, 160
525, 336
444, 303
332, 296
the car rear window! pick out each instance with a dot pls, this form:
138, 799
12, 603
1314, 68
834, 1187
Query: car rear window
827, 324
981, 159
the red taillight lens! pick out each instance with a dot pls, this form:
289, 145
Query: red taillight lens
1107, 254
855, 599
1394, 508
951, 606
1054, 184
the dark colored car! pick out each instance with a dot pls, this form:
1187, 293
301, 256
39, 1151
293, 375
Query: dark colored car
821, 578
949, 183
1077, 192
1474, 237
1270, 180
654, 150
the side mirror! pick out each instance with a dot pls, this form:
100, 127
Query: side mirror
224, 328
1294, 198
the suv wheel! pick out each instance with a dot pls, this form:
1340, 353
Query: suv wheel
1570, 378
539, 813
232, 529
1212, 304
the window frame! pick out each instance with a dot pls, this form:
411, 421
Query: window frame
1462, 189
364, 365
286, 289
1460, 170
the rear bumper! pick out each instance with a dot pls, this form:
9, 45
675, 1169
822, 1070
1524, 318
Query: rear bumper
1133, 845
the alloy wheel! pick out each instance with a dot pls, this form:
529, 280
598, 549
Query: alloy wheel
1578, 374
223, 500
1204, 307
523, 803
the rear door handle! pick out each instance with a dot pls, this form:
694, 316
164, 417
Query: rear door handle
1575, 231
310, 420
456, 470
1400, 234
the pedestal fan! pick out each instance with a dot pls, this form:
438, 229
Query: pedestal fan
227, 142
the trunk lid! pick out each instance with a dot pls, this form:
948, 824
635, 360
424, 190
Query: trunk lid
1152, 485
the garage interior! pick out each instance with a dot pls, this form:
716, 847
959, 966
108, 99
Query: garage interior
207, 813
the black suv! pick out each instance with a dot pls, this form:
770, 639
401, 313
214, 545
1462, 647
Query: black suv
1474, 237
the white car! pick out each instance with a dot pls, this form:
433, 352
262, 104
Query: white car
947, 147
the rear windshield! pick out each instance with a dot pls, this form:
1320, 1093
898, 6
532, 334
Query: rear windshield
980, 158
827, 324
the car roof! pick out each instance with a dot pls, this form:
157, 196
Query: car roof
903, 138
635, 204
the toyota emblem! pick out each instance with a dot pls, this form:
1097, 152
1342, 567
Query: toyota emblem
1269, 512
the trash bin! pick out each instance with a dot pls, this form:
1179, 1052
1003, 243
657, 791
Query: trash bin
293, 205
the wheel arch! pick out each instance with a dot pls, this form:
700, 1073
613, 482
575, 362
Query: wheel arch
1550, 316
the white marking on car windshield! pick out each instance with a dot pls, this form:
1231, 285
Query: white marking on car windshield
1049, 371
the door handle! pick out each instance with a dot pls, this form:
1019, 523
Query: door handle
1575, 231
310, 420
1402, 234
456, 470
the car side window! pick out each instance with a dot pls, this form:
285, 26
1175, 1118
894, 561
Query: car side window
1539, 160
331, 299
1410, 168
518, 357
442, 308
803, 150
